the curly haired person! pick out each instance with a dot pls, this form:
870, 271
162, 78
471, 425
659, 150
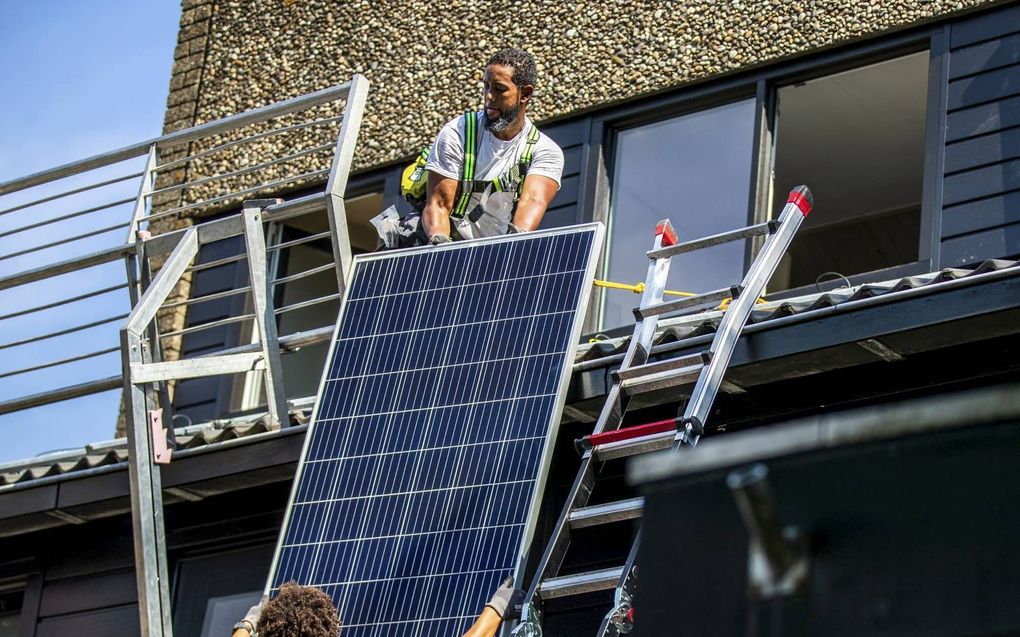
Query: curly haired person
306, 611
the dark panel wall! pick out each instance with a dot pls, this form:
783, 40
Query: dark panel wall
86, 580
981, 188
572, 136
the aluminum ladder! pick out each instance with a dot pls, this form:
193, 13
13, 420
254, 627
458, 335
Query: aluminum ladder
636, 376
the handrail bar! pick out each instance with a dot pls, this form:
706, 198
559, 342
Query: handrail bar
70, 265
208, 297
179, 137
303, 304
63, 331
70, 215
283, 245
289, 343
62, 361
67, 301
64, 241
170, 165
269, 185
59, 395
68, 193
295, 207
247, 170
326, 267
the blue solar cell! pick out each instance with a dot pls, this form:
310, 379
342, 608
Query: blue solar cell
414, 496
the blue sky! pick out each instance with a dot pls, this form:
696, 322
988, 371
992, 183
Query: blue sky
79, 78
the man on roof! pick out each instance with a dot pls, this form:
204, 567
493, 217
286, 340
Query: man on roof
489, 172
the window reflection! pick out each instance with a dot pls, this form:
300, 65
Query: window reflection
695, 170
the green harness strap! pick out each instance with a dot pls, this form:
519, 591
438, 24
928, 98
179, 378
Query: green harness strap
514, 176
467, 174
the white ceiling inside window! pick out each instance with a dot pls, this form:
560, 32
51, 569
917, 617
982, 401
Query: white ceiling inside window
855, 138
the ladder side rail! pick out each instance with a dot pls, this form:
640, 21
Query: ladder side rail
700, 404
609, 418
620, 619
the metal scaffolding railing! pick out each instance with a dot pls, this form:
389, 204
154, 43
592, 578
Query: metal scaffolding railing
215, 167
59, 251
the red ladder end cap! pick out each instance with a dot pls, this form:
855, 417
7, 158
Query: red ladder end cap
802, 198
665, 228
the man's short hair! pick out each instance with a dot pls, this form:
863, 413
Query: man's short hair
525, 71
299, 611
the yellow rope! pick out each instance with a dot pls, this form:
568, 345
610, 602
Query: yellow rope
640, 287
637, 289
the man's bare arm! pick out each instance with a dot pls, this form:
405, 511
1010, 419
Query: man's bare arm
486, 625
536, 194
440, 193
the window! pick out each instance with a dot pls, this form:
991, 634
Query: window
212, 592
857, 140
694, 169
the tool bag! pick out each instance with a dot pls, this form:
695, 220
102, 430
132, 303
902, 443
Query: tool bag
414, 180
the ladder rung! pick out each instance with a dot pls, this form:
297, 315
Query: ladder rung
635, 446
606, 513
716, 239
660, 366
661, 380
686, 303
626, 433
567, 585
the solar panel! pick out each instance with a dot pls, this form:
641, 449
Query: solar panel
431, 435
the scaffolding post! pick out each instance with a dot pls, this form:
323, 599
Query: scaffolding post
144, 476
339, 170
265, 316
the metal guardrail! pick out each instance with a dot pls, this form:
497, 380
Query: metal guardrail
210, 167
206, 168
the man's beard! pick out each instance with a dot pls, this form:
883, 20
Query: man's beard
504, 120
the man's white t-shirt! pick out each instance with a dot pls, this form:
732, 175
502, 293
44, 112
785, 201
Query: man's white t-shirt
489, 213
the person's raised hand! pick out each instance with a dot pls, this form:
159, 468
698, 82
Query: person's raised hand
507, 601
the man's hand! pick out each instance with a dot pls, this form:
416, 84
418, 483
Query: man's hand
250, 621
507, 601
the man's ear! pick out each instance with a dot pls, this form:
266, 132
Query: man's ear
526, 92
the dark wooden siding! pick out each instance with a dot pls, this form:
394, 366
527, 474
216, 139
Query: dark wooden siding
981, 187
572, 136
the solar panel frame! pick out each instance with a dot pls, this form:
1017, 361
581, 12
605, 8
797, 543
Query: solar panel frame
597, 231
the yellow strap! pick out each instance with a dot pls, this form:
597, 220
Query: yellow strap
637, 289
640, 287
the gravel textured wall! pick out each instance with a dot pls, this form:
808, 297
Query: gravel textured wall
424, 59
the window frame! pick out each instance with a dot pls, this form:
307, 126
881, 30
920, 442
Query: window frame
762, 84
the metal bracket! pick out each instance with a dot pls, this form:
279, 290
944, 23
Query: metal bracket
777, 559
161, 451
531, 622
620, 620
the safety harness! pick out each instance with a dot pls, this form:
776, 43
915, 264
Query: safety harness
510, 179
415, 178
